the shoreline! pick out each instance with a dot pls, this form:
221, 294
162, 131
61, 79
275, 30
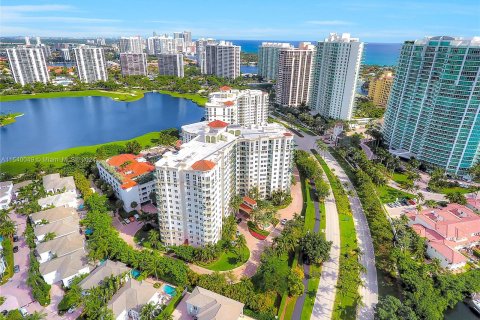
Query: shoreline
18, 164
11, 119
114, 95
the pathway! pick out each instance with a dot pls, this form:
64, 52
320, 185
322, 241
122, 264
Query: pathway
297, 312
369, 290
325, 299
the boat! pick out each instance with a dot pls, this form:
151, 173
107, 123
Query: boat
475, 302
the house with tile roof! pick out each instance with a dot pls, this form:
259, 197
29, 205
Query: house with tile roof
127, 303
66, 199
65, 268
447, 231
59, 247
54, 183
203, 304
59, 228
52, 215
105, 270
6, 194
131, 178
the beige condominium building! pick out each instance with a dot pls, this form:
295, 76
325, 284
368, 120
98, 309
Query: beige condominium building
379, 89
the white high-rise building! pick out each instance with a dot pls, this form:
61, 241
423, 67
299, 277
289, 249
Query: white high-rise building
66, 54
242, 107
91, 65
39, 42
196, 183
131, 44
335, 73
171, 64
160, 44
201, 53
268, 54
223, 59
27, 41
293, 75
133, 64
187, 36
28, 64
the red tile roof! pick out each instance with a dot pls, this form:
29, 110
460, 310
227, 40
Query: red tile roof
129, 168
217, 124
287, 134
249, 200
203, 165
245, 208
225, 88
450, 254
229, 103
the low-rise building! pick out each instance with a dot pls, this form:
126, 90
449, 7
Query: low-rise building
131, 178
59, 228
65, 268
106, 269
52, 215
447, 230
243, 107
66, 199
18, 186
6, 193
203, 304
54, 183
127, 303
59, 247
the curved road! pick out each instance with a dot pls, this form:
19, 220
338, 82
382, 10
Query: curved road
369, 290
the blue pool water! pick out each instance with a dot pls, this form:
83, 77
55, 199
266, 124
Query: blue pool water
168, 289
60, 123
135, 273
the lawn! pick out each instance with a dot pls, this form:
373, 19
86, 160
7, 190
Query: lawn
117, 96
310, 208
9, 118
388, 194
56, 158
290, 307
198, 99
455, 189
227, 261
399, 177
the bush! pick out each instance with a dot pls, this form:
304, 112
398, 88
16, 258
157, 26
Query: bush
8, 254
253, 227
476, 253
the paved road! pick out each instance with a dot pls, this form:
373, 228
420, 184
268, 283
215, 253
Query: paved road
369, 290
325, 298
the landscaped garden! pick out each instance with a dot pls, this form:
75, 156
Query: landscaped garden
228, 260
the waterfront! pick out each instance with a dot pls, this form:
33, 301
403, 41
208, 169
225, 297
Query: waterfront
56, 124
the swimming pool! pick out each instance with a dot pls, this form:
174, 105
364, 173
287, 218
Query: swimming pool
168, 289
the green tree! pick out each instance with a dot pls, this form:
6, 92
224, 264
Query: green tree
456, 197
390, 308
315, 248
294, 282
133, 147
133, 205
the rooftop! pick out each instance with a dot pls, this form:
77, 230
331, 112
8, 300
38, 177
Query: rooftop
58, 200
130, 167
66, 266
62, 246
217, 124
214, 306
107, 269
60, 228
55, 182
133, 295
54, 214
203, 165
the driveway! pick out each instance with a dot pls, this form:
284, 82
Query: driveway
127, 231
17, 292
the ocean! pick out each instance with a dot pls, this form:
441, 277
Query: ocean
383, 54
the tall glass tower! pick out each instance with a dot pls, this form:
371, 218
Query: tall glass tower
433, 109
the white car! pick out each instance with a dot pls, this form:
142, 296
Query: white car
23, 311
72, 310
126, 221
284, 222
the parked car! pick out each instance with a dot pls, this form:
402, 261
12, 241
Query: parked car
15, 249
126, 221
238, 233
16, 268
15, 238
284, 222
72, 309
239, 220
23, 311
4, 312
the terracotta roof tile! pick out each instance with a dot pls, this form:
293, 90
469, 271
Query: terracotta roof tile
203, 165
225, 88
133, 169
217, 124
249, 200
229, 103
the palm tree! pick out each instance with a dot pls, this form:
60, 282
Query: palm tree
7, 228
322, 147
37, 316
153, 238
147, 312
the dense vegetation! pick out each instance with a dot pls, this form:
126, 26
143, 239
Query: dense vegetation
365, 108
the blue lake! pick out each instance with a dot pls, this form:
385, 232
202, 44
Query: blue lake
60, 123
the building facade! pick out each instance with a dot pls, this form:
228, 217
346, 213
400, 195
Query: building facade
293, 76
223, 60
196, 183
335, 74
242, 107
131, 44
133, 64
171, 64
66, 54
434, 105
28, 64
268, 54
131, 178
161, 44
91, 65
379, 89
201, 53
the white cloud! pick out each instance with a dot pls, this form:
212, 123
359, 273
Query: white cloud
330, 22
36, 8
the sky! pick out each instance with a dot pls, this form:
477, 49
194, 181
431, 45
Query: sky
372, 21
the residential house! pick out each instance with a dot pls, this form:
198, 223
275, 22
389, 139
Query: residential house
203, 304
52, 215
66, 199
65, 268
106, 269
6, 192
60, 228
54, 183
127, 303
59, 247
